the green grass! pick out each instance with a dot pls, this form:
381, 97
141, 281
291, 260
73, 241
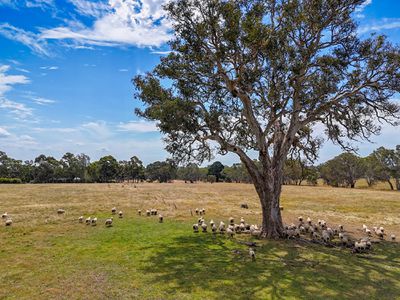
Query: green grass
45, 256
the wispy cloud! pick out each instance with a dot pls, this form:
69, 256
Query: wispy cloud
20, 110
138, 126
7, 81
161, 52
364, 5
42, 101
49, 68
91, 9
4, 133
384, 24
29, 39
123, 70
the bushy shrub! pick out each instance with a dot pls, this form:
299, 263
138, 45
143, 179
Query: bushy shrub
10, 180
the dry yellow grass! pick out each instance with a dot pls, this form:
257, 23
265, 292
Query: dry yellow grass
46, 256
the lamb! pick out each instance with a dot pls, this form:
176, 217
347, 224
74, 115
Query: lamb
139, 212
231, 220
80, 219
4, 216
88, 221
60, 211
8, 222
114, 210
252, 253
204, 226
393, 237
94, 221
196, 228
120, 214
160, 218
109, 222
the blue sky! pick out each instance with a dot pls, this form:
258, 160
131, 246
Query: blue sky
66, 69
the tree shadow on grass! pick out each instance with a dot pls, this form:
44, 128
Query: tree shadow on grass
207, 266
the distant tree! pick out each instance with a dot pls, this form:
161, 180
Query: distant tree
388, 165
216, 170
136, 169
190, 172
74, 167
108, 168
160, 171
259, 75
47, 169
236, 173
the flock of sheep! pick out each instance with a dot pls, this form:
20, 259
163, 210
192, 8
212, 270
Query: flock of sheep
318, 232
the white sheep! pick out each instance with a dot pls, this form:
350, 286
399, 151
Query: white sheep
326, 236
195, 228
197, 211
221, 227
242, 220
120, 214
204, 226
88, 221
393, 237
80, 219
60, 211
203, 211
160, 218
114, 210
300, 219
341, 228
148, 213
214, 228
139, 212
242, 227
309, 221
200, 220
4, 216
230, 232
252, 253
364, 227
109, 222
211, 223
8, 222
94, 221
368, 232
231, 220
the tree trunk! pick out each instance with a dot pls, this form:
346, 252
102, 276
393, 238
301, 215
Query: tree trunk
391, 185
398, 184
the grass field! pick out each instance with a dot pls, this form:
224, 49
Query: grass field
46, 256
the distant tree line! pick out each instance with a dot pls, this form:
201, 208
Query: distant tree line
382, 165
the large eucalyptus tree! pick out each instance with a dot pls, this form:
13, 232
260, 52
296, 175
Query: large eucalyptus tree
260, 75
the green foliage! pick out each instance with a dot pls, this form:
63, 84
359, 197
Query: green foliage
160, 171
10, 180
216, 170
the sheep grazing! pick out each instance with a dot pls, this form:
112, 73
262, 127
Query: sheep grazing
230, 232
148, 213
237, 228
160, 218
120, 214
8, 222
242, 227
80, 219
114, 210
195, 228
316, 236
60, 211
153, 212
379, 233
280, 207
244, 205
221, 227
252, 253
309, 221
139, 212
360, 246
393, 237
197, 211
4, 216
94, 222
88, 221
364, 227
368, 232
301, 219
214, 228
325, 236
211, 223
242, 220
341, 228
382, 229
204, 226
109, 222
231, 220
200, 220
203, 211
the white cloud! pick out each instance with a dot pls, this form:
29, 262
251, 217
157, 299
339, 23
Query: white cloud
364, 5
161, 52
20, 110
4, 133
123, 70
7, 81
42, 4
22, 70
121, 22
49, 68
42, 101
29, 39
384, 24
139, 126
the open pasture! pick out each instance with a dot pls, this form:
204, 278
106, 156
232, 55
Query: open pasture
48, 256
